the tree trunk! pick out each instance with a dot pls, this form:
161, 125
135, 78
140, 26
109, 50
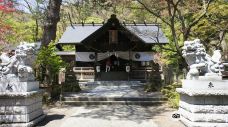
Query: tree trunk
49, 33
223, 42
52, 18
47, 77
36, 31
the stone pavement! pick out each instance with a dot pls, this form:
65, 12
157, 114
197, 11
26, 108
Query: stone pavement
114, 114
114, 93
110, 116
114, 90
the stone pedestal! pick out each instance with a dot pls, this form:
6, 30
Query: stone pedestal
204, 102
20, 104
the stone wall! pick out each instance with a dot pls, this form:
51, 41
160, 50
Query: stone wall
204, 103
21, 106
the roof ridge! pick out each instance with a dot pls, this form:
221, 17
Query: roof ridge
126, 24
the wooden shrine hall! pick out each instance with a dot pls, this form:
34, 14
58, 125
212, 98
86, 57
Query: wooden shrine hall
112, 50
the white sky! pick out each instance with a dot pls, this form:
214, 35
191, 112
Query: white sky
23, 5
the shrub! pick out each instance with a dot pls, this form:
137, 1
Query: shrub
51, 63
170, 92
155, 81
71, 84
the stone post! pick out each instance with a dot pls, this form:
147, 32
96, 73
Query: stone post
204, 94
20, 97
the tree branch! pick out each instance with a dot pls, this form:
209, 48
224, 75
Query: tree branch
180, 16
172, 21
201, 16
29, 7
153, 13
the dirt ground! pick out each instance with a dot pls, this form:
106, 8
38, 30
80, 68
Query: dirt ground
110, 116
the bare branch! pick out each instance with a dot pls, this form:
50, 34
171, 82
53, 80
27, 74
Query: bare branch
153, 13
202, 15
221, 37
172, 21
180, 16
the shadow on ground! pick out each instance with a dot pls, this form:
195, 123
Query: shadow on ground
49, 118
121, 112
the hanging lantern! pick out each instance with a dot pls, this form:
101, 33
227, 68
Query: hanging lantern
143, 63
128, 68
98, 68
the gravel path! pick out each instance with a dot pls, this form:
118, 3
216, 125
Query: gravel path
110, 116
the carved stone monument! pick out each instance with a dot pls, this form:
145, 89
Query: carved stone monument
20, 97
204, 94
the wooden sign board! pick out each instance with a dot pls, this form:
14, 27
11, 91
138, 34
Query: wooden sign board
62, 75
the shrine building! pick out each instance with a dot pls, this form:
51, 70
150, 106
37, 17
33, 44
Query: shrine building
112, 50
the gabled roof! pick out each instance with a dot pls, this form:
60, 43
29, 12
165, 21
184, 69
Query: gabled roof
77, 33
147, 33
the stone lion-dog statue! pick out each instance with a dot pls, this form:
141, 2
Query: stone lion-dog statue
19, 64
199, 62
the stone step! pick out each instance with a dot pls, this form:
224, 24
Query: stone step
110, 76
114, 99
145, 101
142, 103
28, 124
114, 93
189, 123
91, 85
114, 83
204, 117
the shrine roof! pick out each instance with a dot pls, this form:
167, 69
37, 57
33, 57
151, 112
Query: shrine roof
147, 33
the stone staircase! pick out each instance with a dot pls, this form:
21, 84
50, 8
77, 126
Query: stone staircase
113, 93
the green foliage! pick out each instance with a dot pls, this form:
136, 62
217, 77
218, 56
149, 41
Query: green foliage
68, 47
155, 81
210, 27
169, 55
170, 92
70, 85
49, 60
21, 31
94, 19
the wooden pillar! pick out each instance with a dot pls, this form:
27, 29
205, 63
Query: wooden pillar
75, 62
130, 63
95, 70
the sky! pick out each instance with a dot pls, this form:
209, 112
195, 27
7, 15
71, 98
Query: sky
23, 6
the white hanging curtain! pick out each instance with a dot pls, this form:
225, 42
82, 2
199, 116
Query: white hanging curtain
142, 56
85, 56
124, 55
135, 56
102, 56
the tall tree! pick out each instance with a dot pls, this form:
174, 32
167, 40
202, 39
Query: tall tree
213, 28
180, 16
51, 20
36, 8
78, 10
6, 8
